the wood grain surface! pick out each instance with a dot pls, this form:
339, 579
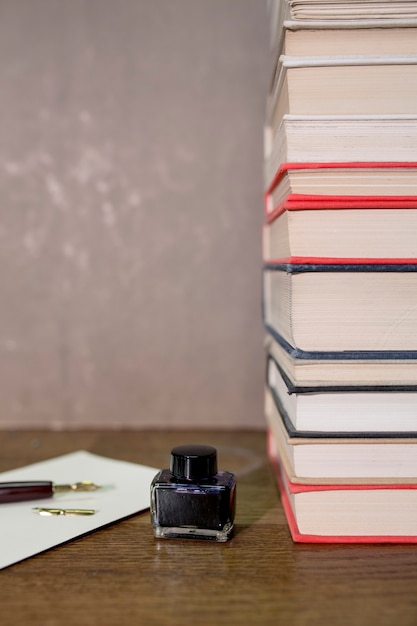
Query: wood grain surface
122, 575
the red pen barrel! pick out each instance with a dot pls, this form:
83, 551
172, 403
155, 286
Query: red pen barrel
18, 491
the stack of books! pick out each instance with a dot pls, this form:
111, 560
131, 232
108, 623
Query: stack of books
340, 268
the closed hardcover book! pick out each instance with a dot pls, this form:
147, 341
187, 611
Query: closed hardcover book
333, 181
362, 458
365, 37
349, 9
343, 85
326, 513
340, 138
342, 229
318, 370
340, 408
367, 311
285, 15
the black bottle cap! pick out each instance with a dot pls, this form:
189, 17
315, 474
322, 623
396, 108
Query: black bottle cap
194, 462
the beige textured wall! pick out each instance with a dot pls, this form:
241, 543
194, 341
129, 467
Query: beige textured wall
130, 200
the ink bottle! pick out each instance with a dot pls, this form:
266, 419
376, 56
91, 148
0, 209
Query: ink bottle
192, 499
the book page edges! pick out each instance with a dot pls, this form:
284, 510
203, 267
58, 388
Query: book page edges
305, 538
349, 24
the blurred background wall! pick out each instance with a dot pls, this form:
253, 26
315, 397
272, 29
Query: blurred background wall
131, 212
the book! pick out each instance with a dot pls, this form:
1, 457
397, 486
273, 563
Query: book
358, 408
343, 85
335, 138
323, 513
342, 370
358, 457
294, 37
367, 310
340, 268
378, 179
364, 37
346, 229
284, 14
348, 9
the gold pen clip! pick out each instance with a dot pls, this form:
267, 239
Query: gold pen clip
84, 485
47, 511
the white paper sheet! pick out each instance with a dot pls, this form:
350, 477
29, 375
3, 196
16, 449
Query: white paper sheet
25, 533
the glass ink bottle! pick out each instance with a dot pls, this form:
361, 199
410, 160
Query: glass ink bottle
193, 499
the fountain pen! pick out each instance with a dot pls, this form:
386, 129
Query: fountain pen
18, 491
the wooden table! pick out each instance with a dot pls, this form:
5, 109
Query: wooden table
122, 575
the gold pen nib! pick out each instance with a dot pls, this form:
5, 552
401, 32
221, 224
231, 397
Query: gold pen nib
52, 511
84, 485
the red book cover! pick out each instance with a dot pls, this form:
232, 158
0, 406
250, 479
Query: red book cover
288, 489
389, 244
304, 201
319, 260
